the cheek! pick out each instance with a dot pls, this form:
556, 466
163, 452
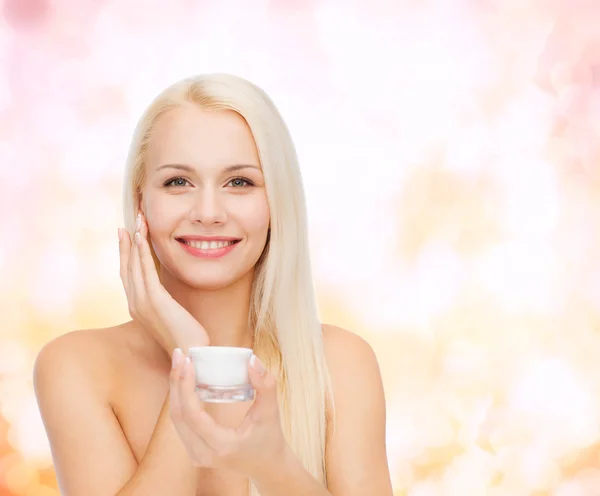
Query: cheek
160, 214
256, 219
163, 213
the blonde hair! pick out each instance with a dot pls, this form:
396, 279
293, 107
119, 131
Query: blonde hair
284, 314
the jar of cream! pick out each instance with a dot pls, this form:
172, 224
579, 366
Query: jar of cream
222, 373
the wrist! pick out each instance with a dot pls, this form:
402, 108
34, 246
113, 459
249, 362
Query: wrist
281, 469
186, 342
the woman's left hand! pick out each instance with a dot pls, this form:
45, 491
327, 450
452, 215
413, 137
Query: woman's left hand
253, 448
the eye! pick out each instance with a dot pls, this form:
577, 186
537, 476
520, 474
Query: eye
240, 182
177, 182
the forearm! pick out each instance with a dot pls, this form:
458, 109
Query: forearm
289, 478
166, 467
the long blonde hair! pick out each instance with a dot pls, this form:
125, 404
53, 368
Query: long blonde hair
284, 315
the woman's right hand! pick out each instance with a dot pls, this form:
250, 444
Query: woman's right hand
149, 302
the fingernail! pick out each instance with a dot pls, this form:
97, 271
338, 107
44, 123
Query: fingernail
257, 365
186, 366
138, 222
120, 234
138, 238
177, 356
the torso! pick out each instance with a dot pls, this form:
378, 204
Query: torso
139, 377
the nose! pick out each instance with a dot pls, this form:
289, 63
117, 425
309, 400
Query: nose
208, 208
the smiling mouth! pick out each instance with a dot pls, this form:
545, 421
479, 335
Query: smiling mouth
208, 245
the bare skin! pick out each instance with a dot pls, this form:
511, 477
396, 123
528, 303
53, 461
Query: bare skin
104, 393
130, 376
136, 372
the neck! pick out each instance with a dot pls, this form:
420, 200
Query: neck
223, 312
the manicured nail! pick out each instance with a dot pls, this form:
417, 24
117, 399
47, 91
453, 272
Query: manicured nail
138, 222
138, 238
186, 366
257, 365
120, 234
177, 357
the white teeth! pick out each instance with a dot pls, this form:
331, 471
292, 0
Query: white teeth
208, 245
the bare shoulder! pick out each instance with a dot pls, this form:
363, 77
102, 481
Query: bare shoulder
356, 456
74, 377
346, 350
87, 352
81, 347
337, 337
352, 364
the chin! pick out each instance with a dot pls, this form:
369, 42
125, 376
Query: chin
208, 284
196, 278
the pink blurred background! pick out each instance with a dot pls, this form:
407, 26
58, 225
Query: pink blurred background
450, 151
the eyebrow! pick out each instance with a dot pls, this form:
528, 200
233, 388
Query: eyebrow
189, 168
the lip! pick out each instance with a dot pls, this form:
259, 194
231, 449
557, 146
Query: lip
210, 253
193, 237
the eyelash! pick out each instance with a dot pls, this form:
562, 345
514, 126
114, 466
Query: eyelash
169, 183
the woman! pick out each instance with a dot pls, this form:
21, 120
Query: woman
220, 256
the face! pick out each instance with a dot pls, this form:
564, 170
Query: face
204, 197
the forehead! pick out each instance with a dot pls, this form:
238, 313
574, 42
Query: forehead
193, 135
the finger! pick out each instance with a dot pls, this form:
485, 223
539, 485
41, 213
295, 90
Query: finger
136, 280
175, 405
174, 379
265, 404
192, 442
124, 250
186, 389
149, 273
196, 417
